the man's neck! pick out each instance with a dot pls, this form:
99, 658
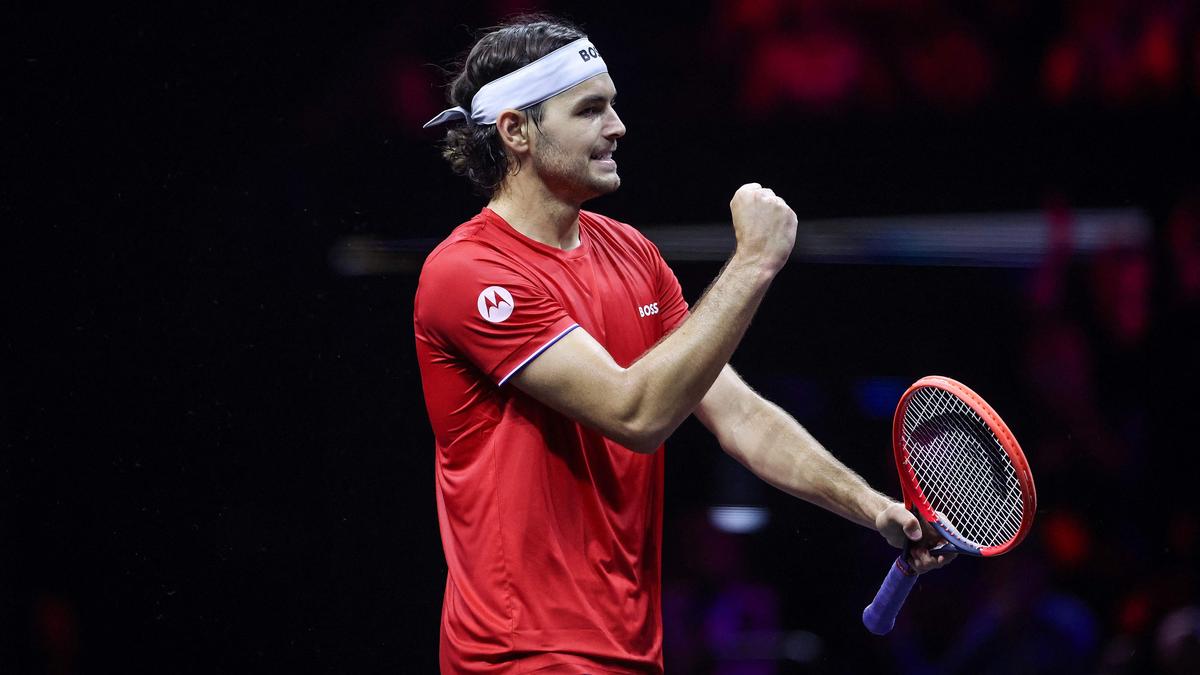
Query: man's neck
538, 214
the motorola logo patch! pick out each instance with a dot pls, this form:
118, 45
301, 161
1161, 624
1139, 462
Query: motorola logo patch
495, 304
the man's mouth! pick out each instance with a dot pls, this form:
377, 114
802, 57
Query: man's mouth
604, 154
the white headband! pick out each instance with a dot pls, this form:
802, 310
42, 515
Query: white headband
529, 85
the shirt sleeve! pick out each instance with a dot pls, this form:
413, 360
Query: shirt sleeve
488, 310
671, 305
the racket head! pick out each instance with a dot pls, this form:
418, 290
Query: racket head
961, 469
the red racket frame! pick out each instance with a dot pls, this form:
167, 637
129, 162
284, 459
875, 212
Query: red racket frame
914, 497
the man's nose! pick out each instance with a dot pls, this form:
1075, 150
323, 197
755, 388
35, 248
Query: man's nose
615, 127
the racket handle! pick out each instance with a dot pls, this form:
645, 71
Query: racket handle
880, 615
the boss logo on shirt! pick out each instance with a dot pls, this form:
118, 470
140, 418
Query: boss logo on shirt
648, 310
495, 304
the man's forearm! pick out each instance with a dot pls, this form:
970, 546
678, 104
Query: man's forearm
773, 445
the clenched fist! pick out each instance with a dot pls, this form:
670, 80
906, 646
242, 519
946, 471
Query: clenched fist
765, 226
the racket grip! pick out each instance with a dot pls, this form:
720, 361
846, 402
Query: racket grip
880, 615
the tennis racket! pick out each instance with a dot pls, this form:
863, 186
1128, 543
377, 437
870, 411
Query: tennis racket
963, 473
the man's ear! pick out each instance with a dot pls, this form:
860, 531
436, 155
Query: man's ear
513, 127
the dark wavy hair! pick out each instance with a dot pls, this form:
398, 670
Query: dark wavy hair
475, 151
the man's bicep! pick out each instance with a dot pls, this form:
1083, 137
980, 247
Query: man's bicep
577, 377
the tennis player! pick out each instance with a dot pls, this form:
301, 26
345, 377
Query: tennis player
557, 354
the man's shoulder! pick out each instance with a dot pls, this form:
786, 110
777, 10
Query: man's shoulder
602, 221
454, 269
619, 234
614, 228
468, 241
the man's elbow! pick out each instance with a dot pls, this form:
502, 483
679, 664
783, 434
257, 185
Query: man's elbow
645, 444
635, 422
643, 436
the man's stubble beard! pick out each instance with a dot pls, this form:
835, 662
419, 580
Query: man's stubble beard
554, 168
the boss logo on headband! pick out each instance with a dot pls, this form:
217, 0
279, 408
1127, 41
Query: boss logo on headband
534, 82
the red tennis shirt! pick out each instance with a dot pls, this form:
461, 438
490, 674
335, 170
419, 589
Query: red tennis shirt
552, 532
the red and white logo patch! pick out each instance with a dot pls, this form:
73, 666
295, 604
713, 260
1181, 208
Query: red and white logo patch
495, 304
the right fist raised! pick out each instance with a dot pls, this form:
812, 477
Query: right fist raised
765, 226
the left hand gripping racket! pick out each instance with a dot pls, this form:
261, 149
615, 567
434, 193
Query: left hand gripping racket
962, 471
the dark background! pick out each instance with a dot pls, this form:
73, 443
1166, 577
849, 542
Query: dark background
216, 457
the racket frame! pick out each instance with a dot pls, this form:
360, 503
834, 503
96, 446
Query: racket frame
915, 499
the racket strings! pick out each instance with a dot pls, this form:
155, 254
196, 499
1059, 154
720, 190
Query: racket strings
962, 468
966, 495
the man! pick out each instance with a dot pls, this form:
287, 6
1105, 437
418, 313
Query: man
557, 354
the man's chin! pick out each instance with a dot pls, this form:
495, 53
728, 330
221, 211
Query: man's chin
599, 188
608, 184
